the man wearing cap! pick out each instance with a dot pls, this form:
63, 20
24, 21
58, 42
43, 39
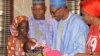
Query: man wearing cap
70, 30
39, 26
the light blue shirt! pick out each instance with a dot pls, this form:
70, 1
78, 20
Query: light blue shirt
73, 37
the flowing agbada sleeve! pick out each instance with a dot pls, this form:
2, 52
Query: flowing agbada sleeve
14, 24
74, 37
79, 37
80, 43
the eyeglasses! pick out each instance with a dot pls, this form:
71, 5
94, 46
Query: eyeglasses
54, 12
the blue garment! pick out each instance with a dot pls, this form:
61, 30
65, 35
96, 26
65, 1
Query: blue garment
57, 3
41, 30
73, 37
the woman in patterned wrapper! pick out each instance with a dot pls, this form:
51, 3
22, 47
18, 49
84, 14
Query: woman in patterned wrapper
91, 15
15, 42
19, 30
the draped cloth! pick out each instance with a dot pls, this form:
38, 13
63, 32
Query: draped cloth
14, 25
73, 36
14, 45
92, 7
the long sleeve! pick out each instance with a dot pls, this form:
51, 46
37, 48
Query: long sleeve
79, 45
10, 47
14, 47
74, 36
80, 41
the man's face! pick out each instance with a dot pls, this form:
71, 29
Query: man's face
23, 28
56, 13
38, 11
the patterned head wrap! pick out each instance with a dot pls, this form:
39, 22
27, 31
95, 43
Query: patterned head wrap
14, 25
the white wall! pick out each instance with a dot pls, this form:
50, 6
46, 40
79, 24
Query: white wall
23, 7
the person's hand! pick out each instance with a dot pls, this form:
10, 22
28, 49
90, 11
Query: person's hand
43, 43
34, 40
37, 44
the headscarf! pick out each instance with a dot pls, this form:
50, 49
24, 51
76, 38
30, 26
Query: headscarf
57, 3
92, 7
38, 1
14, 25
